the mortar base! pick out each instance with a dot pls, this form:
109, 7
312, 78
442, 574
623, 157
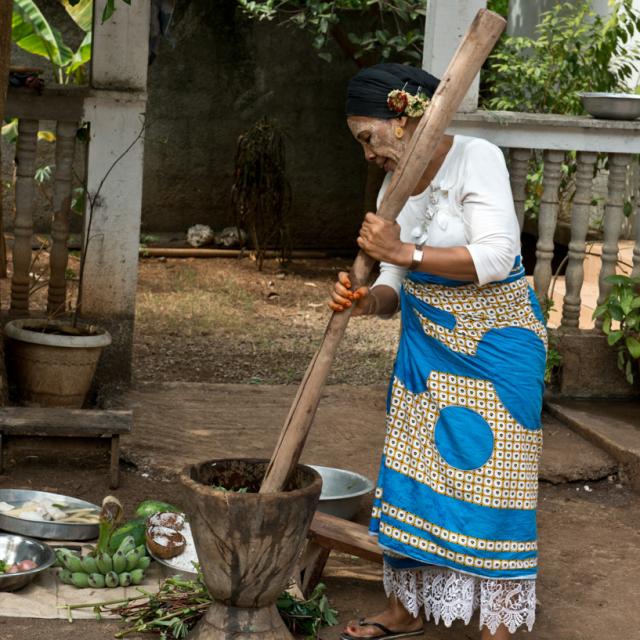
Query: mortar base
221, 622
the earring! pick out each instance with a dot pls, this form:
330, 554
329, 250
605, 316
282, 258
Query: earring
399, 131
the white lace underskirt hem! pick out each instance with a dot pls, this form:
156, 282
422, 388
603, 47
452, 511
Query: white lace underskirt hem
449, 595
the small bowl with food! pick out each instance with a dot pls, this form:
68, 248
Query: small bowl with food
21, 560
170, 543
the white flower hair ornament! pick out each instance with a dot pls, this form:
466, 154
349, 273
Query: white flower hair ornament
405, 104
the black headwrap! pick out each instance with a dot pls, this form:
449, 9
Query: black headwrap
368, 90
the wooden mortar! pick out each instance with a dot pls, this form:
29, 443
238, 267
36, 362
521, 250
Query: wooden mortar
247, 543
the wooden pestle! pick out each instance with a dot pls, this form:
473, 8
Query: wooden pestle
473, 50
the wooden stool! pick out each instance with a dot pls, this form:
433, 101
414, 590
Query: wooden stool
326, 533
70, 423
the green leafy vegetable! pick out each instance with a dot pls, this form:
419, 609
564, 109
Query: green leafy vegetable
307, 616
179, 604
219, 487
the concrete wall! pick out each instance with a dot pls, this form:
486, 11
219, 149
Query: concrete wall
524, 15
223, 74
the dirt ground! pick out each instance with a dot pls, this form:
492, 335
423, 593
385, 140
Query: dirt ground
588, 586
222, 321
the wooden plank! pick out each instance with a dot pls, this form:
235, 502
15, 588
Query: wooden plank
61, 421
342, 535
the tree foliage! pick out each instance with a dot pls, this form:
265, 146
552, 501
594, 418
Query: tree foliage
499, 6
574, 50
367, 31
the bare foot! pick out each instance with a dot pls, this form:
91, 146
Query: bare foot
396, 619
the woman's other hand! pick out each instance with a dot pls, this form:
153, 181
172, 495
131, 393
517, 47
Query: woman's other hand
380, 239
342, 297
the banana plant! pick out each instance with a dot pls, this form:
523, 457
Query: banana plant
32, 32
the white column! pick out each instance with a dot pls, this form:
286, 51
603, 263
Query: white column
121, 47
113, 238
447, 22
115, 111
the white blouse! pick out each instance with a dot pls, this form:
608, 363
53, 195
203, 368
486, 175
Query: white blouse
468, 203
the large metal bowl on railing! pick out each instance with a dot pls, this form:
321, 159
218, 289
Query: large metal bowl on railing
611, 106
342, 491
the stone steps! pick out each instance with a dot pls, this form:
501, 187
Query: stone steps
612, 426
568, 457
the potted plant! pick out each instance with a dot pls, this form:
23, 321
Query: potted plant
52, 361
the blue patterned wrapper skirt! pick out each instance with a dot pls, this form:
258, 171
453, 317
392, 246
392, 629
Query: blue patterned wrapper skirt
458, 479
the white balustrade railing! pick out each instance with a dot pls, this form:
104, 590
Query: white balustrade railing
553, 136
521, 134
65, 106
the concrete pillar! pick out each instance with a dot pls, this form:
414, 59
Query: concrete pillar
115, 111
446, 23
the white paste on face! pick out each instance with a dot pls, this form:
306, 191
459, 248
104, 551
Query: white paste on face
378, 140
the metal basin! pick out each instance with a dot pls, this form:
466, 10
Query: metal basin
18, 548
611, 106
49, 530
342, 491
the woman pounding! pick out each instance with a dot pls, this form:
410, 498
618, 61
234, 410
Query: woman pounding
455, 503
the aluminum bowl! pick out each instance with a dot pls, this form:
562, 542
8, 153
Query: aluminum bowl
342, 491
611, 106
18, 548
49, 530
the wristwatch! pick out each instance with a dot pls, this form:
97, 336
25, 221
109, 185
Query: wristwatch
416, 258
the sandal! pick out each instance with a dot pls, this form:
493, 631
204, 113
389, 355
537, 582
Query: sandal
387, 634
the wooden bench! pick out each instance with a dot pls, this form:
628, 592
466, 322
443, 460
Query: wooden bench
71, 423
326, 533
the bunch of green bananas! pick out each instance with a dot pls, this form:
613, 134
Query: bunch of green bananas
123, 568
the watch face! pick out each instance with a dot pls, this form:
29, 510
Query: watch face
416, 259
